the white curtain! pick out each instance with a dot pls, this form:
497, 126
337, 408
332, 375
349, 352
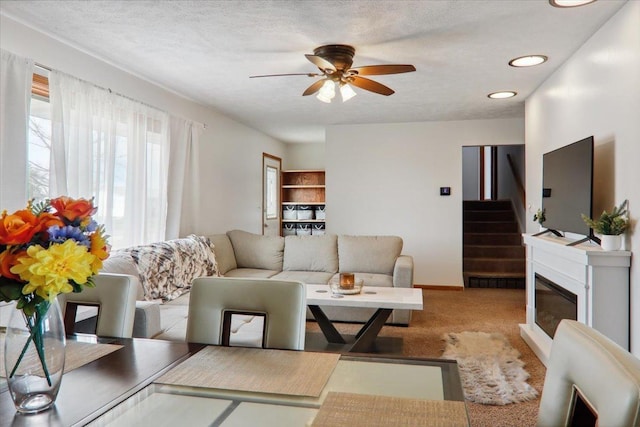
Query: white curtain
109, 147
16, 74
183, 189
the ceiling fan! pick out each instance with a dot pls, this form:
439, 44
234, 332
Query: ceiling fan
334, 61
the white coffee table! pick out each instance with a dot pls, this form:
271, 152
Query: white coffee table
384, 300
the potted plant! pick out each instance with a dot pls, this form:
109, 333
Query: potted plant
610, 226
539, 217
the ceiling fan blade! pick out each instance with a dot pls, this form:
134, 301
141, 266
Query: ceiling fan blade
314, 87
290, 74
371, 86
376, 70
320, 62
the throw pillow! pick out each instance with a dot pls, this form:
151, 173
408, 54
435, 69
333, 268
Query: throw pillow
368, 254
257, 251
311, 253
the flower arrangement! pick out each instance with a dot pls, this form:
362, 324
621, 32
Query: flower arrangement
610, 224
539, 216
51, 247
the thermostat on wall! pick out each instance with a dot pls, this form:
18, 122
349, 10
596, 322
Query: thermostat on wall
445, 191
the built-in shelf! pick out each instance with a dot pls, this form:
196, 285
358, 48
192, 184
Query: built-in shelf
305, 203
303, 188
317, 221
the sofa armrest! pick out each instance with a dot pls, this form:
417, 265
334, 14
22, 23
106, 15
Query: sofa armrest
403, 272
146, 323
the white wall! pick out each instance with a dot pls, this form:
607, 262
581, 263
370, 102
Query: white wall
231, 154
596, 92
385, 179
305, 156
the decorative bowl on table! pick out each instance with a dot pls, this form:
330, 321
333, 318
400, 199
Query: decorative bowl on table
355, 288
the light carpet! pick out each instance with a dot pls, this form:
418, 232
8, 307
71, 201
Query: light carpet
490, 368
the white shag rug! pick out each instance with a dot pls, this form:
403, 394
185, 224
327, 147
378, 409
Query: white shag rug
490, 369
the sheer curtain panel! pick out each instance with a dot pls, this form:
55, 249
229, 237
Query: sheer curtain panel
109, 147
183, 188
16, 74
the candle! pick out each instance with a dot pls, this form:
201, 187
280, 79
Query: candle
347, 280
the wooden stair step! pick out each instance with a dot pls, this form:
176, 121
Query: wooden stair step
494, 251
488, 215
477, 205
501, 275
492, 238
490, 227
497, 265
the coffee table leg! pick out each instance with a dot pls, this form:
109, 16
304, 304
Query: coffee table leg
367, 335
330, 332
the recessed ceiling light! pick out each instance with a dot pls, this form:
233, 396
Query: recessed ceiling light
569, 3
528, 61
502, 95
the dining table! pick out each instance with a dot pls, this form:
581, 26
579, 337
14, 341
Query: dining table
162, 383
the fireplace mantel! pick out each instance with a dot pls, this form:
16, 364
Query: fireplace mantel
598, 278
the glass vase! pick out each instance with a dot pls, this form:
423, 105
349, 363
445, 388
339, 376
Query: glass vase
34, 355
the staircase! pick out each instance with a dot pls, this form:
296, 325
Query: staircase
493, 254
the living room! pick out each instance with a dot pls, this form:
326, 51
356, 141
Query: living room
383, 178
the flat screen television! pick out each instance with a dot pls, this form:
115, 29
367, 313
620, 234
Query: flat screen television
567, 188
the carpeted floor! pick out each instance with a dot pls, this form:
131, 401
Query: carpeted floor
474, 309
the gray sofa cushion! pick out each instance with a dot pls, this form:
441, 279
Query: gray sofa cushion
253, 273
311, 253
368, 254
312, 277
256, 251
224, 253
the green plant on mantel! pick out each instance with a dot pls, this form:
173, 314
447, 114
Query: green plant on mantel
539, 216
610, 224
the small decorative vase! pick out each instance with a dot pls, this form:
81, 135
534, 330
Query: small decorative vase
610, 243
34, 357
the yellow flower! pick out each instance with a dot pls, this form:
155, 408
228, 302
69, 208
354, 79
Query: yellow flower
100, 249
48, 271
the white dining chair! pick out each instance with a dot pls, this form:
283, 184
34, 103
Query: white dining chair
214, 302
590, 380
114, 296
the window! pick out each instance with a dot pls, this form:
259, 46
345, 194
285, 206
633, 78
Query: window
114, 150
272, 192
39, 148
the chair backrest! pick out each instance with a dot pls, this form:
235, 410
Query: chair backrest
115, 297
282, 303
583, 361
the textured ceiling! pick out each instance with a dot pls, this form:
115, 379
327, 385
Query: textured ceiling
206, 51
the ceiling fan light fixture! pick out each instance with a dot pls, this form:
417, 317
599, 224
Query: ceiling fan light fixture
569, 3
327, 92
502, 94
347, 92
528, 61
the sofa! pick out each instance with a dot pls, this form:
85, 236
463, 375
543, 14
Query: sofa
166, 269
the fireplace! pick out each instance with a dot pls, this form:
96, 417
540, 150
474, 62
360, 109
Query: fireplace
580, 282
553, 303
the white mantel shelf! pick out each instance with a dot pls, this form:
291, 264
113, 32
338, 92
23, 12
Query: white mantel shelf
599, 279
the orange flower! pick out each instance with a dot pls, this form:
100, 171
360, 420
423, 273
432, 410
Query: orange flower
73, 209
46, 220
7, 260
18, 228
